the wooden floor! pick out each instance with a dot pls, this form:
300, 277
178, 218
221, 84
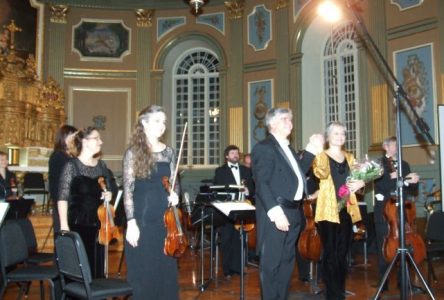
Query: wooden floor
361, 282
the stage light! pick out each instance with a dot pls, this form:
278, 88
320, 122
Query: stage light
330, 11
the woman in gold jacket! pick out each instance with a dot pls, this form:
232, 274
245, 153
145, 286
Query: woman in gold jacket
332, 167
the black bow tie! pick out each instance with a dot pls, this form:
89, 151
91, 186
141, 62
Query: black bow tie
233, 166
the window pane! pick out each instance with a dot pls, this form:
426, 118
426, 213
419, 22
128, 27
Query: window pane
197, 101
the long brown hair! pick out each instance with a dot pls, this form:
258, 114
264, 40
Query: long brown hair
60, 140
143, 160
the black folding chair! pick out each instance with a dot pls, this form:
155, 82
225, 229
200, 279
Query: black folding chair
434, 241
13, 262
72, 262
34, 184
35, 256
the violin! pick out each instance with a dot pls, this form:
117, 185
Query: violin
108, 230
176, 241
309, 243
412, 239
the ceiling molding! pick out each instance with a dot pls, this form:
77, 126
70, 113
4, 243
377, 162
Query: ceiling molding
126, 4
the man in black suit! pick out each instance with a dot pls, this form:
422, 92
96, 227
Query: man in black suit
279, 177
385, 188
232, 173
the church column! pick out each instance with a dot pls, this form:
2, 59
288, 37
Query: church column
144, 58
233, 107
156, 87
56, 42
378, 93
295, 92
283, 52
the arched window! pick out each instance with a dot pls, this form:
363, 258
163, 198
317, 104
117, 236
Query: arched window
196, 94
341, 82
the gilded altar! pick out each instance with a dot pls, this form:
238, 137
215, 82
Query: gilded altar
31, 111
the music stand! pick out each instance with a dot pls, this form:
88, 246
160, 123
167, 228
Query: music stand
238, 212
228, 192
205, 214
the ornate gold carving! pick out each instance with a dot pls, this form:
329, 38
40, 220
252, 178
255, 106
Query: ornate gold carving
12, 28
51, 95
145, 17
235, 8
58, 13
280, 4
31, 111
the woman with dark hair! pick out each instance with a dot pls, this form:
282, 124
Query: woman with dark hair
62, 153
151, 273
80, 195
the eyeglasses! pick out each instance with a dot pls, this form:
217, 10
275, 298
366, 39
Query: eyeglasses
97, 138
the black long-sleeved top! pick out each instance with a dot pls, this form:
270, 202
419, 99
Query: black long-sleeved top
6, 184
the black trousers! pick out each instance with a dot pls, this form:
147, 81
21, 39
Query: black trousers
95, 251
230, 246
277, 256
336, 241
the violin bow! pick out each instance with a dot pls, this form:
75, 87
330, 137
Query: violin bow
179, 156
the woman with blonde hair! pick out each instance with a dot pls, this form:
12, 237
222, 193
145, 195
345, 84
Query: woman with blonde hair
151, 273
334, 217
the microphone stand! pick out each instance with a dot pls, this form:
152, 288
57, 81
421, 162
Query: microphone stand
403, 254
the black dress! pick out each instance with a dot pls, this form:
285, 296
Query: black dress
6, 184
151, 273
79, 185
57, 161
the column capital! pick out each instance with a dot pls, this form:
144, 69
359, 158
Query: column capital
58, 13
279, 4
145, 17
235, 8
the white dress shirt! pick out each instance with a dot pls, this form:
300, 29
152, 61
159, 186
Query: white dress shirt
284, 143
236, 172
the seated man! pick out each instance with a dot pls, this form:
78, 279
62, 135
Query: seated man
235, 174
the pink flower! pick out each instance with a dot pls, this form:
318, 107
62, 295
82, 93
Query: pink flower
343, 192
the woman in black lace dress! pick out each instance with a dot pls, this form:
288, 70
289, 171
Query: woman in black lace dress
61, 154
80, 195
151, 273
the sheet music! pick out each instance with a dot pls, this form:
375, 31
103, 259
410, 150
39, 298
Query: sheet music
227, 207
4, 206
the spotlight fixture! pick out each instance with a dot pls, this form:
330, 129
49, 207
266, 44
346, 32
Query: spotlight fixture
196, 6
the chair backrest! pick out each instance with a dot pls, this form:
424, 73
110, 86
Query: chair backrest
33, 180
71, 257
29, 233
13, 248
435, 226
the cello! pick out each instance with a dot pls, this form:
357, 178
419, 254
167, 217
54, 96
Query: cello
412, 239
175, 241
108, 230
309, 243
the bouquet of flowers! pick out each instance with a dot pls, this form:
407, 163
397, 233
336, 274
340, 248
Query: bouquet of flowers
366, 170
